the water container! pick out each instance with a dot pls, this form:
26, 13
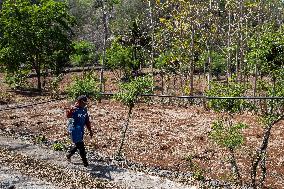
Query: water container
70, 124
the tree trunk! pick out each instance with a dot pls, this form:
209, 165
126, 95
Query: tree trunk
192, 60
255, 82
174, 82
209, 66
102, 87
238, 77
162, 80
38, 74
228, 46
181, 84
167, 83
260, 156
152, 42
241, 43
235, 168
38, 81
124, 130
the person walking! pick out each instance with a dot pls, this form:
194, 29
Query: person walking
78, 118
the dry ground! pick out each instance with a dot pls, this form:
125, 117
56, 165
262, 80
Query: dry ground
159, 135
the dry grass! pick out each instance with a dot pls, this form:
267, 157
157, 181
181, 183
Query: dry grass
159, 135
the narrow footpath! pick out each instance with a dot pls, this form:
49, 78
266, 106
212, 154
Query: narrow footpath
26, 165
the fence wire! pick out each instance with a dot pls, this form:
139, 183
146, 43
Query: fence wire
198, 98
206, 97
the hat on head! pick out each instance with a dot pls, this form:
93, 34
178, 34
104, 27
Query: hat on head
82, 98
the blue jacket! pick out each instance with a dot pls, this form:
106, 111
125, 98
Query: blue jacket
80, 119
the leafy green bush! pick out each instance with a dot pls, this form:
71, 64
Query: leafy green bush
224, 132
17, 79
130, 91
218, 63
129, 95
5, 98
87, 85
232, 89
276, 89
84, 53
266, 50
227, 135
45, 25
121, 57
58, 146
40, 139
54, 85
168, 62
197, 171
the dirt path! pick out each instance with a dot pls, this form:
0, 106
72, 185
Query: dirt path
11, 178
25, 165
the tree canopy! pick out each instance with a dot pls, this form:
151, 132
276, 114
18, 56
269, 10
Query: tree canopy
35, 36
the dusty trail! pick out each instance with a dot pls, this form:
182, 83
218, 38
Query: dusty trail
25, 165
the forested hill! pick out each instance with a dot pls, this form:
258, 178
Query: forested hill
217, 39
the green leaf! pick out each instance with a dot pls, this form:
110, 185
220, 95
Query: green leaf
130, 91
227, 135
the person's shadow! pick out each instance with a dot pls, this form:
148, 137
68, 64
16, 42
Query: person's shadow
103, 170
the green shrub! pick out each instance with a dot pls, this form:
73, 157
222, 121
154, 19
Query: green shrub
218, 63
84, 53
5, 98
130, 91
232, 89
227, 135
168, 62
195, 168
129, 94
198, 173
86, 85
58, 146
54, 85
16, 80
40, 139
121, 57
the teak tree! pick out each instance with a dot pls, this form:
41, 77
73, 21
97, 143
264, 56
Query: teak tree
229, 135
177, 36
273, 114
224, 132
129, 95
